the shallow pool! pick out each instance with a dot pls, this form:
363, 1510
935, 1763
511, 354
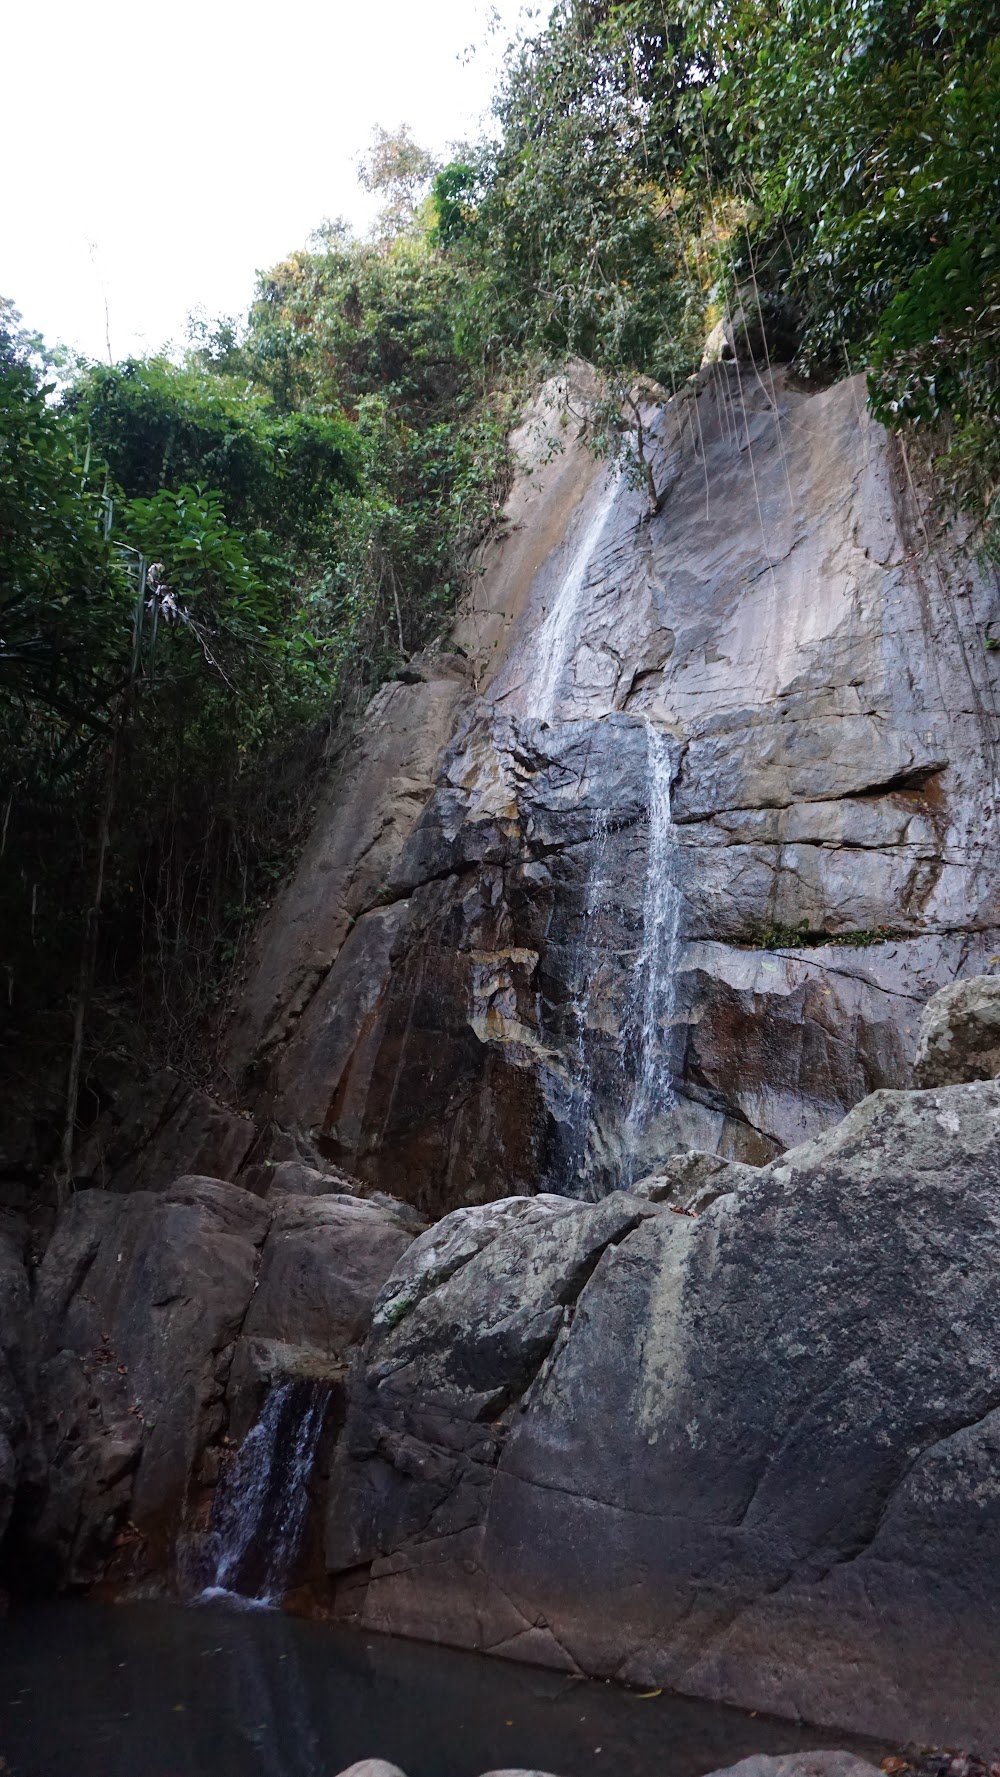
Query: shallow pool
156, 1690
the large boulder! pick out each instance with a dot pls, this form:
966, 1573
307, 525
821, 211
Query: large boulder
800, 1764
752, 1454
960, 1034
139, 1302
464, 1327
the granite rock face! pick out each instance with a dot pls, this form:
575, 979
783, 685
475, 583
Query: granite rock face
960, 1034
154, 1131
450, 1000
324, 1261
138, 1304
751, 1454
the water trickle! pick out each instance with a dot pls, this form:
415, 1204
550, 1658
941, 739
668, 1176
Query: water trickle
558, 635
654, 988
623, 999
260, 1507
591, 946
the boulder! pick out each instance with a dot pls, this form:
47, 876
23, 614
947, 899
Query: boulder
160, 1319
324, 1262
139, 1301
372, 1767
960, 1034
464, 1327
296, 1178
800, 1764
752, 1455
693, 1181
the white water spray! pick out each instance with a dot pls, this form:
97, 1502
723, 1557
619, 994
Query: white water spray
654, 987
557, 637
261, 1502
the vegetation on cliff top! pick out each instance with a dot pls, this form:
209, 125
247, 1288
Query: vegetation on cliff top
206, 564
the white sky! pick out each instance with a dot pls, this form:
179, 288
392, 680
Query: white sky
155, 156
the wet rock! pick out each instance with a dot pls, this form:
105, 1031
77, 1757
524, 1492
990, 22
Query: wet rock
752, 1455
960, 1034
475, 1034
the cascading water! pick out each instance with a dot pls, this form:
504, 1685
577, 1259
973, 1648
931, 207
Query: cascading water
623, 997
261, 1502
598, 1139
655, 981
557, 636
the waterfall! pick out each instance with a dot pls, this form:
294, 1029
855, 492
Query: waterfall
557, 636
619, 1047
260, 1507
654, 983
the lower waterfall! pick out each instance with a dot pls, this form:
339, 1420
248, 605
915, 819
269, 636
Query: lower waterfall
260, 1507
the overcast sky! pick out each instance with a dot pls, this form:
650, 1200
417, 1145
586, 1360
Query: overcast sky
155, 156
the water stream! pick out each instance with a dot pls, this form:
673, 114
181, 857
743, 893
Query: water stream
260, 1507
624, 994
558, 635
654, 987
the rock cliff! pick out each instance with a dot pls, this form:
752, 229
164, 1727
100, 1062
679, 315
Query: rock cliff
757, 732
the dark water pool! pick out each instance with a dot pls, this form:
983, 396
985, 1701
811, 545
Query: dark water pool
154, 1690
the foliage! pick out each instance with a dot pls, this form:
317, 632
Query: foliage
397, 166
372, 329
573, 222
205, 567
157, 425
831, 168
63, 604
